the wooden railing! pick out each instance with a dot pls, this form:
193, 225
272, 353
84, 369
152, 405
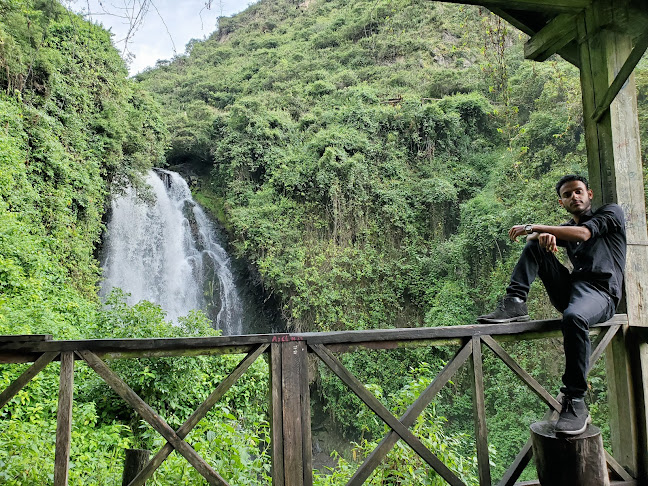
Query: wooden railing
290, 401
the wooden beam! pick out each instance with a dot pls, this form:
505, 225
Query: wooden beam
64, 420
385, 415
616, 174
409, 417
639, 357
18, 384
148, 414
276, 415
479, 413
297, 466
560, 31
621, 78
531, 382
12, 338
547, 6
198, 415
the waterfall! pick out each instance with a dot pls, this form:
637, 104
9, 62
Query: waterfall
167, 252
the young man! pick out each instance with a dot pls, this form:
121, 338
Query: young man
596, 245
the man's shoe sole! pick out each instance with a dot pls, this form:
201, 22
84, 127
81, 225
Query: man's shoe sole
575, 432
502, 321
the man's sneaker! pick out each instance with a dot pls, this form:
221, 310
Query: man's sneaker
510, 309
574, 417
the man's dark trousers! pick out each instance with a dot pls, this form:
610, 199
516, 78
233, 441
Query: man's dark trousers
581, 303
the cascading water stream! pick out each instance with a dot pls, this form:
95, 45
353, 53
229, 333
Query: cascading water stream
167, 252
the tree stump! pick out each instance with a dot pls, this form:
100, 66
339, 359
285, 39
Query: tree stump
135, 461
569, 461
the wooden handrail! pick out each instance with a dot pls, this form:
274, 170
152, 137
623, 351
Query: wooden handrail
22, 351
290, 414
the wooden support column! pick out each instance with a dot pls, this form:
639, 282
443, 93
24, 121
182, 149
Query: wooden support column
479, 413
64, 420
616, 175
291, 425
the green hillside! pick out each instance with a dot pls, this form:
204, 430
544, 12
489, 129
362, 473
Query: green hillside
369, 157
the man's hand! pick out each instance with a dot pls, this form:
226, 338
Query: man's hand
517, 230
547, 242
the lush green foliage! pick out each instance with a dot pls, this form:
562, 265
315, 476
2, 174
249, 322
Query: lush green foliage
73, 129
367, 157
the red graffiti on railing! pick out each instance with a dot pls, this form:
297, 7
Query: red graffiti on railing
285, 338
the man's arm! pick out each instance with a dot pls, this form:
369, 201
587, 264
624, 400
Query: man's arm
547, 235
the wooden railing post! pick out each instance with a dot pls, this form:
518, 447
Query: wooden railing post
614, 161
64, 420
479, 412
290, 405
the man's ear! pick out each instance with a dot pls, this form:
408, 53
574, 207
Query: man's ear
590, 194
561, 202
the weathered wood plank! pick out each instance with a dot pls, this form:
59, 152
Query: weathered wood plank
16, 338
601, 345
559, 32
447, 332
518, 466
411, 414
614, 159
276, 424
614, 465
291, 377
64, 420
148, 414
621, 78
185, 352
385, 415
548, 6
18, 384
307, 440
531, 382
198, 415
118, 348
479, 413
639, 357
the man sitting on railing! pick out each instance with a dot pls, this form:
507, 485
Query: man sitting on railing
596, 245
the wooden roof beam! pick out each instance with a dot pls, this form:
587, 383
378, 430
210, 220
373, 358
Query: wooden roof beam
559, 32
621, 78
568, 52
557, 6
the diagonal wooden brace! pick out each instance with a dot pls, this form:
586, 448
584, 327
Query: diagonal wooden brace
622, 76
198, 415
531, 382
18, 384
148, 414
379, 409
410, 416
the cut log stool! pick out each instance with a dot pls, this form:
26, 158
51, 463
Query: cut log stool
569, 460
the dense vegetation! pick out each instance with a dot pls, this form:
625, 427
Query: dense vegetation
74, 129
367, 157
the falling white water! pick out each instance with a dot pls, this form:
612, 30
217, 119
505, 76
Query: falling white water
167, 252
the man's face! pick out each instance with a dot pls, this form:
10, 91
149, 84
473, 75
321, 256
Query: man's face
575, 197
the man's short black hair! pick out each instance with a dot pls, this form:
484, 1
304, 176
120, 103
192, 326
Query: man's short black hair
570, 178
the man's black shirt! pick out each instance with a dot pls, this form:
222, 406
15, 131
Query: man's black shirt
601, 259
